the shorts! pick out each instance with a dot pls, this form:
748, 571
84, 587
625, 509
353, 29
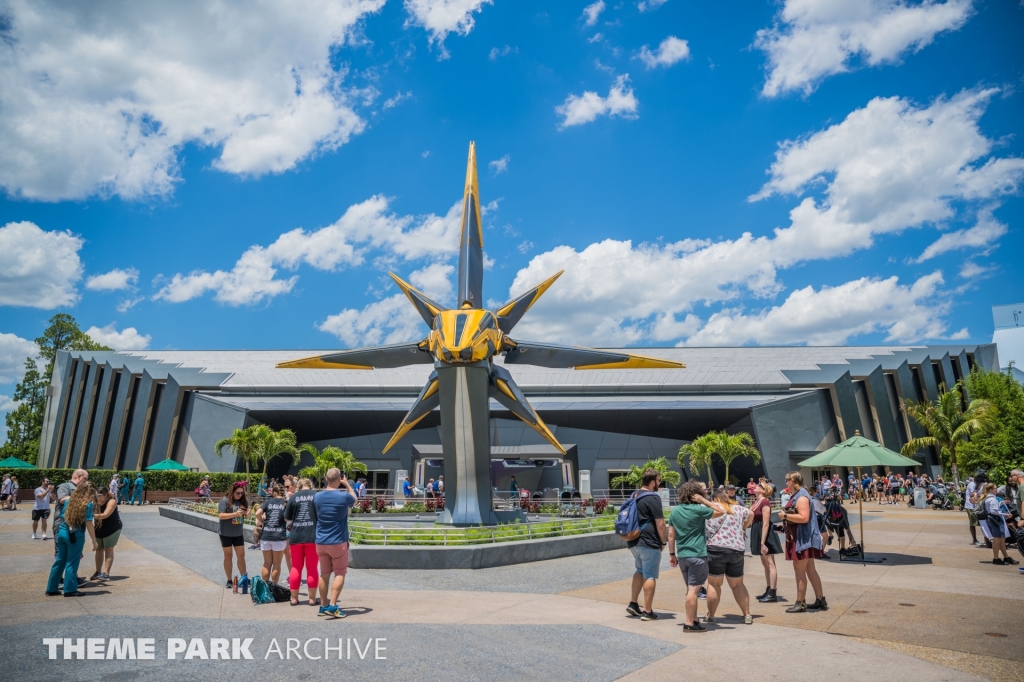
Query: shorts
231, 541
647, 561
40, 514
694, 570
110, 541
4, 496
727, 561
333, 559
973, 518
273, 545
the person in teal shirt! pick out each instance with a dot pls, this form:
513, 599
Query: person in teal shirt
688, 547
140, 483
78, 519
124, 489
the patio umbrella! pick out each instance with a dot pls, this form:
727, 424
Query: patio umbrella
167, 465
15, 463
859, 452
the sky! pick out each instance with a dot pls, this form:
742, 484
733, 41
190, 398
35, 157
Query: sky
228, 175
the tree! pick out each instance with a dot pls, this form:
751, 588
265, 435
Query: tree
328, 458
732, 446
273, 443
699, 453
948, 425
1001, 449
25, 422
634, 477
243, 443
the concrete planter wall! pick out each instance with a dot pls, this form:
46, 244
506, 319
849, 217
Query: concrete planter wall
434, 557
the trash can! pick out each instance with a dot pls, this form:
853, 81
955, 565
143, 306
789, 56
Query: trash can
919, 498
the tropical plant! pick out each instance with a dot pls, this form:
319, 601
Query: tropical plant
1001, 450
273, 443
948, 425
699, 453
736, 445
328, 458
243, 443
634, 477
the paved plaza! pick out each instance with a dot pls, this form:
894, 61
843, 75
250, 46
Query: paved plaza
935, 610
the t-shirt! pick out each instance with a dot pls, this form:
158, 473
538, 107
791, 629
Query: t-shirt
758, 506
726, 532
332, 507
406, 489
648, 510
64, 508
42, 502
302, 513
274, 529
63, 490
231, 528
972, 487
5, 489
688, 521
112, 487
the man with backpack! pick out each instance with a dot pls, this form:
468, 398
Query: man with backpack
643, 522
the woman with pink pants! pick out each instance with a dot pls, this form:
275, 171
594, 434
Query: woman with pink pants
301, 516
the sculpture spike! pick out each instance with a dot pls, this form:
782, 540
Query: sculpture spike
471, 240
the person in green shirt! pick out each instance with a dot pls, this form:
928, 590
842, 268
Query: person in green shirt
688, 548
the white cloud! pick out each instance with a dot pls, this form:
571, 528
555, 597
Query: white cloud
670, 51
833, 315
650, 5
499, 166
13, 352
525, 247
502, 52
441, 17
986, 231
128, 338
102, 98
580, 109
114, 280
597, 37
393, 319
38, 269
347, 242
592, 11
393, 102
127, 304
972, 270
814, 39
887, 167
6, 405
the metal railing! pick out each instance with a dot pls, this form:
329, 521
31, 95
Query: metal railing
365, 534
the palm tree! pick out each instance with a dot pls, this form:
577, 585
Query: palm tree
634, 477
272, 443
328, 458
948, 425
732, 446
699, 453
243, 443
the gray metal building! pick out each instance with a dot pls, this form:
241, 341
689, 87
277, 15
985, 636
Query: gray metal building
129, 409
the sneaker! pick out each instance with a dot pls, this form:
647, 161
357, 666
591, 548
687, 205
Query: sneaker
334, 612
997, 562
748, 619
634, 609
709, 619
103, 577
1008, 561
649, 615
229, 584
1021, 570
797, 607
322, 611
819, 604
34, 536
95, 575
44, 536
696, 627
703, 594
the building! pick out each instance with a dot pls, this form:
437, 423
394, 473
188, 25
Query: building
1009, 337
126, 410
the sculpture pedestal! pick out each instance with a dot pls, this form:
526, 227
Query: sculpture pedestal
465, 420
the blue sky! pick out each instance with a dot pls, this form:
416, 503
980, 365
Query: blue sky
800, 172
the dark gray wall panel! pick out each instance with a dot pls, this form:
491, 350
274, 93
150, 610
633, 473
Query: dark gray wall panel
121, 412
56, 407
104, 398
883, 409
89, 387
848, 416
140, 413
205, 422
928, 375
71, 415
803, 423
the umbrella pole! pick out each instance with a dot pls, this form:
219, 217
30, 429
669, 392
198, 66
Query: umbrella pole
860, 509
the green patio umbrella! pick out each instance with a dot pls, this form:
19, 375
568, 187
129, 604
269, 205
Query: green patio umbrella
167, 465
15, 463
859, 452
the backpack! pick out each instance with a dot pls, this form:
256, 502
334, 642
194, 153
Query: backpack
627, 523
835, 515
263, 592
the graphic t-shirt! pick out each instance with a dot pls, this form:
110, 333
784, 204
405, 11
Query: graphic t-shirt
302, 513
231, 528
726, 532
274, 529
688, 521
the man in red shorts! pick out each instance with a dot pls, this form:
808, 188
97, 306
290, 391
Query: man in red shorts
332, 507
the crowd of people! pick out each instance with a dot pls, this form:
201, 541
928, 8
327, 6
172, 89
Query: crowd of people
9, 493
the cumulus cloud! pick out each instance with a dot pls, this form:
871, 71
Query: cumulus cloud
364, 226
38, 269
13, 351
499, 166
114, 280
986, 231
128, 338
580, 109
650, 5
831, 316
814, 39
102, 98
591, 12
441, 17
670, 51
887, 167
6, 405
393, 319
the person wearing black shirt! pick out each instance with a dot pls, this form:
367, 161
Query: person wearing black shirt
274, 535
646, 549
301, 514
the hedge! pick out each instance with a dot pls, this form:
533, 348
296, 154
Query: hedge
155, 480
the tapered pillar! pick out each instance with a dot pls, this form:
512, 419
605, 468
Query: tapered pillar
465, 415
